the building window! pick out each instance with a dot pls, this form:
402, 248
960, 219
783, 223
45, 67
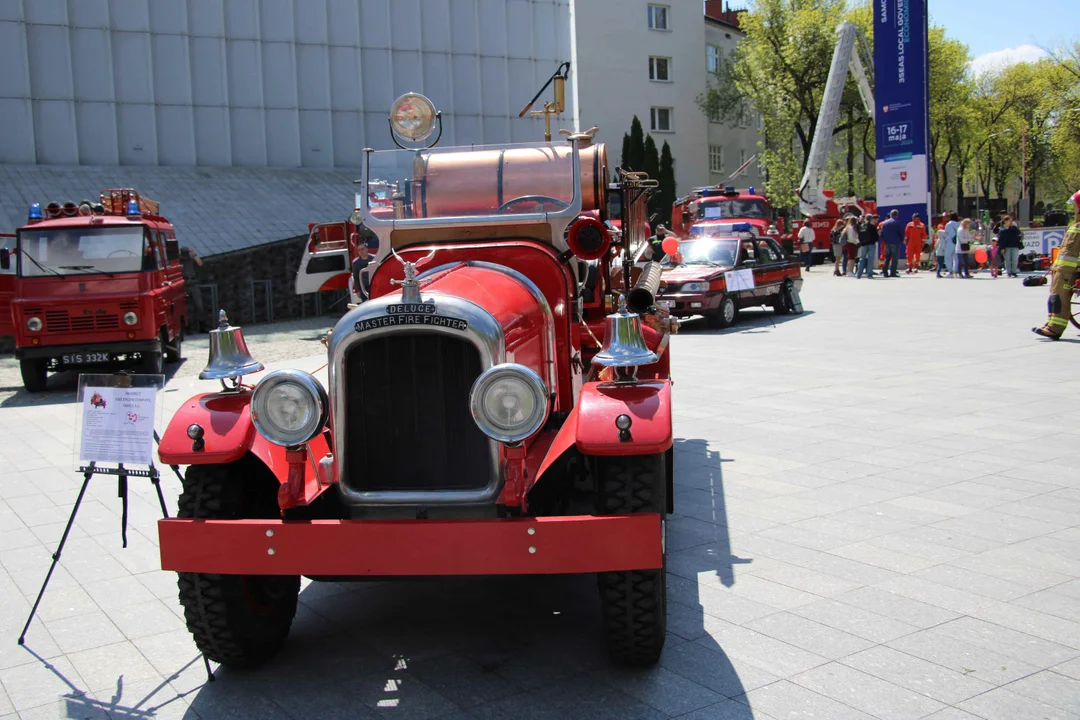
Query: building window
660, 119
742, 157
658, 17
660, 69
713, 56
716, 158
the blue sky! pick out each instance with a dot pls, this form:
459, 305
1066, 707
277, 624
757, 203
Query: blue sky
1000, 31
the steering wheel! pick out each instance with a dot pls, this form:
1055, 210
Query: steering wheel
122, 250
539, 199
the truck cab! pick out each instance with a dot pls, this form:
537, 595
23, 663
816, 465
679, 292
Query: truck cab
715, 210
96, 285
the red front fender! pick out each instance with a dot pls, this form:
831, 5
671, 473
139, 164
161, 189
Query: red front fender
228, 435
590, 426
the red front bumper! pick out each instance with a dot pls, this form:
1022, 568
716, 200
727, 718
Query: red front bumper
519, 546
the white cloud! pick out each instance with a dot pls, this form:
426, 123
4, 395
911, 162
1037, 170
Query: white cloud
1001, 59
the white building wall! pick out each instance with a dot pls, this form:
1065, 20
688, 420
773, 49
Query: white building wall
613, 45
737, 140
277, 83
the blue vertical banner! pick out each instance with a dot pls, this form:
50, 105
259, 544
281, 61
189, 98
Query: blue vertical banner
902, 97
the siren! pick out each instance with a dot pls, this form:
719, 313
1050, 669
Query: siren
35, 212
752, 191
53, 209
133, 208
70, 209
742, 227
588, 238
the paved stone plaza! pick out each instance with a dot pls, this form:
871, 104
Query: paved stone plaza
876, 517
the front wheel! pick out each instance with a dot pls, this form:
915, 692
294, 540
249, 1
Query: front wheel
724, 316
236, 620
35, 372
633, 602
174, 352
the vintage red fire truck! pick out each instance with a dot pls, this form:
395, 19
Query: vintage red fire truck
96, 285
494, 408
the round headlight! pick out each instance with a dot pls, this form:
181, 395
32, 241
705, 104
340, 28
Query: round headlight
289, 407
130, 318
509, 402
413, 116
34, 324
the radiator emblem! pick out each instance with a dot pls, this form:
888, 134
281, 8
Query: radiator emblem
416, 314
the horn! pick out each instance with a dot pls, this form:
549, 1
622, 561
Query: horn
229, 355
624, 345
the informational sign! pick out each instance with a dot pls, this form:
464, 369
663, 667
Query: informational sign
712, 212
739, 280
901, 87
118, 425
1042, 240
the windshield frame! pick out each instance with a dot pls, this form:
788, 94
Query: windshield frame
721, 201
737, 242
384, 226
25, 258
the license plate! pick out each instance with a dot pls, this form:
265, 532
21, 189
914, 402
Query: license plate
84, 358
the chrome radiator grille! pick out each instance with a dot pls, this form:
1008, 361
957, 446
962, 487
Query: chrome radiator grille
408, 419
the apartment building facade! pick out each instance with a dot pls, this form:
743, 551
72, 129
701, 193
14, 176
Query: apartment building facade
653, 60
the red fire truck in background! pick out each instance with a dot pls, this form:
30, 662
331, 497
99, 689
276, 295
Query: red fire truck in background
822, 223
95, 284
717, 209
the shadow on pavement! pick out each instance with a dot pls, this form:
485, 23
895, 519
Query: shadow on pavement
750, 319
63, 386
491, 647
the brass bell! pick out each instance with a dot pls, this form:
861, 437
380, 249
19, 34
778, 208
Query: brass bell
229, 355
624, 345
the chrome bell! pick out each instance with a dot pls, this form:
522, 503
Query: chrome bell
624, 345
229, 355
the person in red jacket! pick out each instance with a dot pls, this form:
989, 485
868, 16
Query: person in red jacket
914, 238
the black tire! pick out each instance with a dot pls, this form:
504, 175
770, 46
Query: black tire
175, 352
724, 316
153, 361
35, 373
237, 620
788, 302
633, 602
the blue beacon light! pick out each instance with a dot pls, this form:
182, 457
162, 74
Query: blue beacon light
752, 190
742, 227
133, 208
35, 211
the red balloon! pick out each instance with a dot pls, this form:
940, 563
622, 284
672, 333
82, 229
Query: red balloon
670, 245
980, 256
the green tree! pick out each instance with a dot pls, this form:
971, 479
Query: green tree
780, 69
651, 166
624, 158
951, 120
635, 159
666, 178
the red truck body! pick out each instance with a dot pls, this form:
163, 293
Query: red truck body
96, 287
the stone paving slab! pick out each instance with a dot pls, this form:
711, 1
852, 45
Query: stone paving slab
876, 517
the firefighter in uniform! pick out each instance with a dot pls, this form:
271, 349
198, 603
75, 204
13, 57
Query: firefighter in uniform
1064, 273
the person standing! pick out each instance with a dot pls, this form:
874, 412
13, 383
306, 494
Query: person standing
1064, 273
190, 262
1010, 243
939, 249
836, 238
964, 238
851, 245
915, 237
951, 229
892, 232
656, 245
806, 244
868, 239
